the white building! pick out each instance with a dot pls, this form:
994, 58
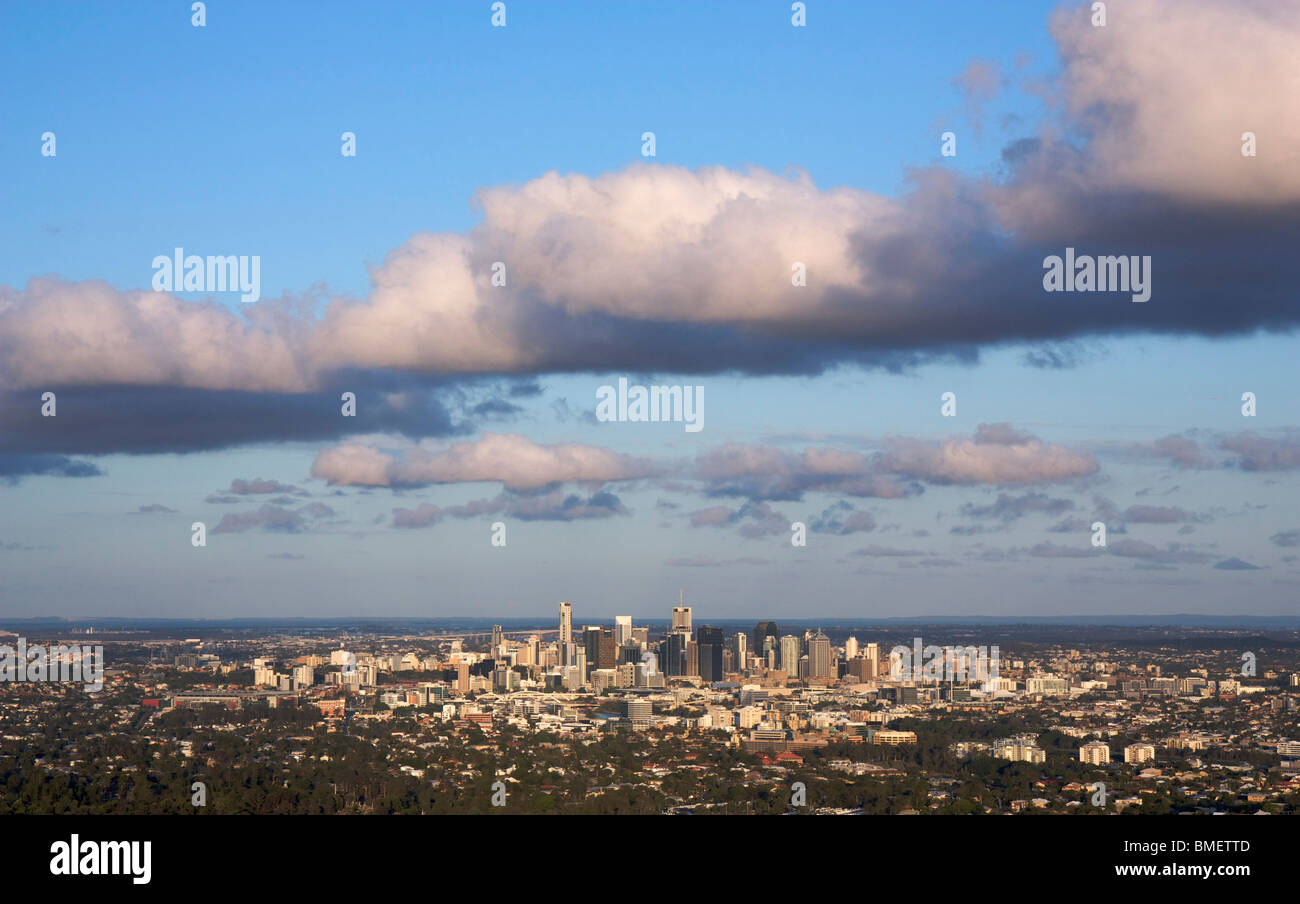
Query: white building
1140, 753
1095, 753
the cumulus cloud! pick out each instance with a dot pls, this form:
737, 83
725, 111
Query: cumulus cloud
513, 460
1262, 453
996, 455
658, 268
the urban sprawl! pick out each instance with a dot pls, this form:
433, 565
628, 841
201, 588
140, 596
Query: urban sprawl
671, 718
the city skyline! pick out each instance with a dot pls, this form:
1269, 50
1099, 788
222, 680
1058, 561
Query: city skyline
853, 250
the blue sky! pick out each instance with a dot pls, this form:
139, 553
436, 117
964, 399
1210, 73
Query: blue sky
225, 140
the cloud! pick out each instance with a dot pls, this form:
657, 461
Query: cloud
1156, 514
756, 519
1181, 451
1140, 549
1287, 538
978, 83
557, 506
658, 268
1235, 564
258, 486
15, 467
759, 472
273, 518
1260, 453
841, 519
1010, 508
996, 455
513, 460
888, 552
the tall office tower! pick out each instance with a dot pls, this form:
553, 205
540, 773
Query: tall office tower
790, 655
462, 676
850, 648
692, 658
496, 640
598, 644
672, 655
606, 650
580, 666
708, 644
590, 644
682, 620
762, 632
872, 653
739, 651
622, 629
819, 655
566, 634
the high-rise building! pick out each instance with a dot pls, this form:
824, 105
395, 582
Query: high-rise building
739, 651
566, 634
682, 620
850, 648
1140, 753
598, 643
871, 652
762, 632
622, 629
709, 642
790, 654
672, 655
496, 640
462, 676
819, 656
1095, 753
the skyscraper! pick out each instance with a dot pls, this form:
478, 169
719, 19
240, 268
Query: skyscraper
496, 640
790, 655
682, 619
739, 651
819, 655
709, 642
622, 629
672, 654
566, 634
762, 632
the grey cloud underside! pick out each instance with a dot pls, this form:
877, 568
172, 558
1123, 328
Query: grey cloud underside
104, 420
